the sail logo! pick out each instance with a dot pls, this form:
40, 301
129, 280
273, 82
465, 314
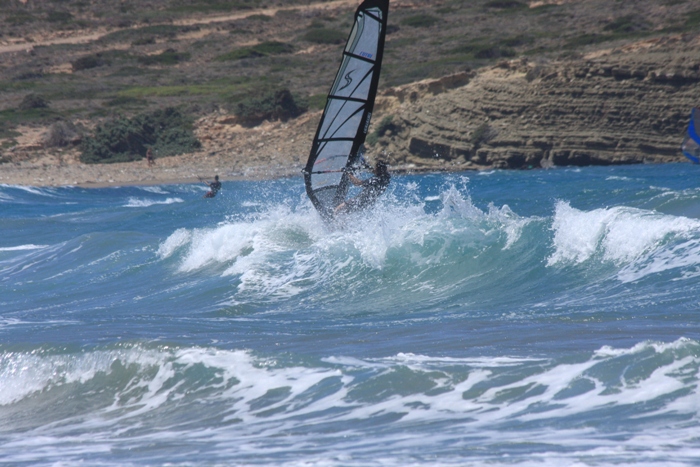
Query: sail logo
348, 80
365, 54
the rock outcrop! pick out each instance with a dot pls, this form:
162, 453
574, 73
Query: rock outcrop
620, 107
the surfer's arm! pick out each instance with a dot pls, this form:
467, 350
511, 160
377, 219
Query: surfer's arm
355, 181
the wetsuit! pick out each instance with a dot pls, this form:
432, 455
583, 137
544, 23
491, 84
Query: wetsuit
214, 188
372, 188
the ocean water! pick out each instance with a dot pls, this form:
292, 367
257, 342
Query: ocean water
546, 317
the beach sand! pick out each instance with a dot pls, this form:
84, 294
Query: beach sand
271, 150
191, 168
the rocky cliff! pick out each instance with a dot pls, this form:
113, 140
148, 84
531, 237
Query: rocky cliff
622, 106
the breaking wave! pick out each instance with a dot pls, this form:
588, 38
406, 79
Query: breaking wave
246, 401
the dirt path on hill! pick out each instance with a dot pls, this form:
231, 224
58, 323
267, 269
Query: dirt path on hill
83, 37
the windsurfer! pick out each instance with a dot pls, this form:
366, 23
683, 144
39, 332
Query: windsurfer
214, 187
372, 189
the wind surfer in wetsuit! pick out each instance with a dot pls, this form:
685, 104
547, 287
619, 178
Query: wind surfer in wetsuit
214, 187
372, 188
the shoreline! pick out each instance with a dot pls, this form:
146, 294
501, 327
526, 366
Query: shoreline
119, 181
132, 173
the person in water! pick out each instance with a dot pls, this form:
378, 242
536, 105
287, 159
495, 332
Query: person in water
214, 187
372, 189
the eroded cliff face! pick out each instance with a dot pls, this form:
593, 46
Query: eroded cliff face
623, 106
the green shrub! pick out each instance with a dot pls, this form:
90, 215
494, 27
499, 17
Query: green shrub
58, 17
260, 50
238, 54
167, 57
692, 19
259, 18
28, 75
484, 51
505, 4
446, 10
386, 124
317, 101
420, 21
6, 132
316, 23
269, 105
517, 41
33, 101
483, 134
586, 39
209, 6
125, 101
167, 131
144, 41
164, 31
273, 48
20, 18
626, 24
88, 61
325, 36
490, 52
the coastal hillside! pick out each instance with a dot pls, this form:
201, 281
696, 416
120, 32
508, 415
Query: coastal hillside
567, 83
619, 106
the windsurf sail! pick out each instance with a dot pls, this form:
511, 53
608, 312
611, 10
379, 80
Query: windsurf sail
346, 117
691, 143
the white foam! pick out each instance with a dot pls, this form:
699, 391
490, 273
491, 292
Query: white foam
28, 246
684, 256
155, 189
9, 322
23, 374
617, 177
144, 203
510, 222
37, 191
284, 251
489, 401
618, 234
176, 240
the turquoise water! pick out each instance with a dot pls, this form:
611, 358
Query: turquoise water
497, 318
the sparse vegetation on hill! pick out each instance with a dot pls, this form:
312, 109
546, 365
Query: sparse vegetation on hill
33, 101
325, 36
260, 50
167, 131
105, 62
269, 105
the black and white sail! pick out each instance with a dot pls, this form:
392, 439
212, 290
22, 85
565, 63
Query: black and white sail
345, 121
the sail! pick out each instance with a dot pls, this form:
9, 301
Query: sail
691, 143
346, 117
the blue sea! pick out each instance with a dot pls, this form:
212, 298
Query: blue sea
517, 318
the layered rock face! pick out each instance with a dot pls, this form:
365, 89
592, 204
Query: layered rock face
620, 107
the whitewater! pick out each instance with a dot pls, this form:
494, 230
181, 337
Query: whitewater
543, 317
